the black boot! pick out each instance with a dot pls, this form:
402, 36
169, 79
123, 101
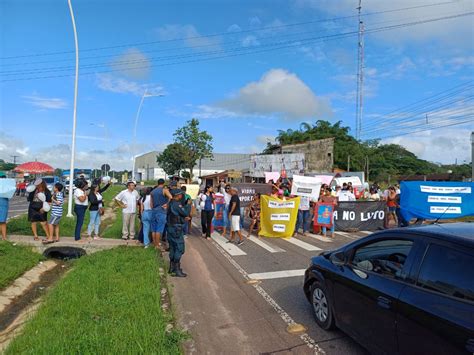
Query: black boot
178, 272
178, 266
172, 267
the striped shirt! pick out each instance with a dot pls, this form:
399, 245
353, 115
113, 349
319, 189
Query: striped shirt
57, 209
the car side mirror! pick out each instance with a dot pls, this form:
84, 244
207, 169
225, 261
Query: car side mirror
338, 258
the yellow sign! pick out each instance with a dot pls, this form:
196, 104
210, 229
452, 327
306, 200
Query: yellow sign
192, 190
278, 217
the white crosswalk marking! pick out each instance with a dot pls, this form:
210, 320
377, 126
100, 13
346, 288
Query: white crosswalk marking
347, 235
276, 274
265, 245
366, 232
320, 238
301, 244
231, 248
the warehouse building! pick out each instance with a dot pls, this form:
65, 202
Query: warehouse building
146, 167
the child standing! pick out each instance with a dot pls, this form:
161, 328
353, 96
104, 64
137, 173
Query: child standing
56, 213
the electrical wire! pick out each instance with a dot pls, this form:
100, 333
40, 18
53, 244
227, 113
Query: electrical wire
136, 44
296, 43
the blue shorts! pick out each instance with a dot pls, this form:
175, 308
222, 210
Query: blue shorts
3, 210
54, 220
158, 222
392, 209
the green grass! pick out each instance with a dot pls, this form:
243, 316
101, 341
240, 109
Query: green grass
21, 226
15, 260
108, 304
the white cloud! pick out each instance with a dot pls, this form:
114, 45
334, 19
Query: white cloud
255, 21
452, 33
440, 145
278, 92
59, 155
250, 41
190, 35
234, 28
112, 83
49, 103
133, 64
264, 139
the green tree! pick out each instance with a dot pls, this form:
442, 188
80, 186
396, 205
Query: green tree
173, 159
197, 143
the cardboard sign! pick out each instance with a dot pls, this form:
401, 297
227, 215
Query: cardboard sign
308, 186
192, 190
247, 192
349, 179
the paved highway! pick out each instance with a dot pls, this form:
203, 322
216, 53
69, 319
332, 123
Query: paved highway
18, 205
280, 265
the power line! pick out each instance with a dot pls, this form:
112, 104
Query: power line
136, 44
278, 46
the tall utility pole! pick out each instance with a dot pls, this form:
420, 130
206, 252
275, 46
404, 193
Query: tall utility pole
14, 158
73, 145
360, 75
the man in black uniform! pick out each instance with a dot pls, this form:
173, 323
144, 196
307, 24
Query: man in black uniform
177, 216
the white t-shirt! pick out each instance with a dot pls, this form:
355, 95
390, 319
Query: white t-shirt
146, 203
130, 199
345, 196
227, 198
79, 193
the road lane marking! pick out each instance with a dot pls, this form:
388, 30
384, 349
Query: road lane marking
310, 342
264, 245
320, 238
366, 232
302, 244
231, 248
347, 235
277, 274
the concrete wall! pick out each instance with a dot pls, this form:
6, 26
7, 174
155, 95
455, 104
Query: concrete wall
319, 154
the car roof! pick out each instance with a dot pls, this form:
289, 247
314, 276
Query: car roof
462, 232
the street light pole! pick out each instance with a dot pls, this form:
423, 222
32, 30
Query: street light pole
73, 145
145, 94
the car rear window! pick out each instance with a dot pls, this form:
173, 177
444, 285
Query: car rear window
448, 271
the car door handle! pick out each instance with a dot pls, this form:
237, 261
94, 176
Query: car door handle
470, 345
384, 302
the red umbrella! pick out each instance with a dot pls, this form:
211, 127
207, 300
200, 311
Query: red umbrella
34, 167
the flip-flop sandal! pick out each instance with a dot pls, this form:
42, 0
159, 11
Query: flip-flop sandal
56, 241
48, 241
36, 238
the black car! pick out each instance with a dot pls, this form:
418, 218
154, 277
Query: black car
401, 291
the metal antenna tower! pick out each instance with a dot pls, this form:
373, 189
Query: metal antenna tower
360, 75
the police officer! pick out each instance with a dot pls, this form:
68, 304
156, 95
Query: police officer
176, 217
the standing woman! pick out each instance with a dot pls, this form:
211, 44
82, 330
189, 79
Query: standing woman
207, 204
80, 206
36, 212
255, 213
147, 215
96, 209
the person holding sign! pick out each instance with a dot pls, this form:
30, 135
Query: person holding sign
329, 199
254, 213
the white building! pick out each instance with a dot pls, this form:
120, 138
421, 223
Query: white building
148, 169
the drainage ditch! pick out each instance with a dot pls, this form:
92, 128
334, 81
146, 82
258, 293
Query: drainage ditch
12, 313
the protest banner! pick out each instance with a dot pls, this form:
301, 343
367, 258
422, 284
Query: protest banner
354, 180
218, 220
323, 214
308, 186
247, 191
435, 199
273, 175
361, 215
192, 190
278, 217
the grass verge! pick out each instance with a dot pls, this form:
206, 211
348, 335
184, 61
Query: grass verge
15, 260
21, 226
109, 303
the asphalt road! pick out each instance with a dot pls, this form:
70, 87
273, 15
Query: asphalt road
280, 265
18, 205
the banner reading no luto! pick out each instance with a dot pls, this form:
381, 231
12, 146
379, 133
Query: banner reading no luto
277, 217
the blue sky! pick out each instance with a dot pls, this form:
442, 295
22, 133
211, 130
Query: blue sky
273, 72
